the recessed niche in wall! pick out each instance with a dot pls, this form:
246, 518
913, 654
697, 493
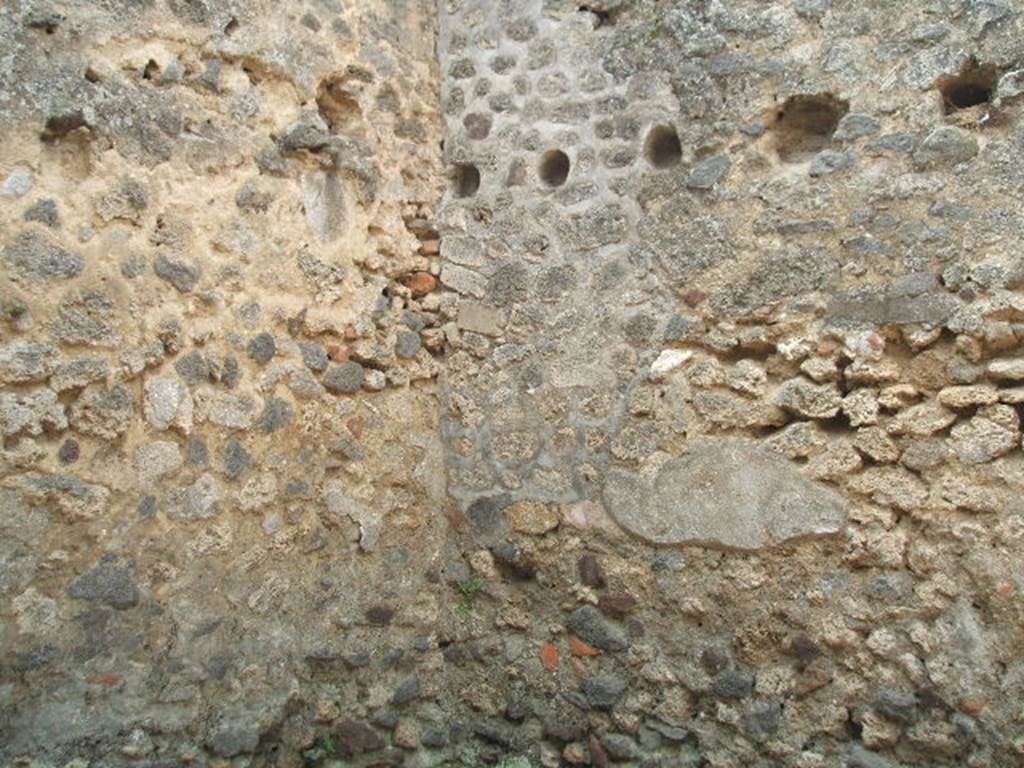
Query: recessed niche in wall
554, 167
974, 85
337, 104
466, 180
601, 18
661, 147
804, 125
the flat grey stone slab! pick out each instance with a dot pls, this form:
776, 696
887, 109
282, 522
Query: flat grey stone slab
726, 492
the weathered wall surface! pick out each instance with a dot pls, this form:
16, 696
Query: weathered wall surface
217, 410
745, 275
517, 382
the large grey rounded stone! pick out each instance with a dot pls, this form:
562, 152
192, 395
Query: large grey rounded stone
724, 492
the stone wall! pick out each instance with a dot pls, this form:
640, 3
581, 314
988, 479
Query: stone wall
742, 275
218, 362
511, 382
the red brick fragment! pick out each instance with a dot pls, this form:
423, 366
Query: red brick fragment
108, 679
549, 657
579, 648
420, 283
338, 353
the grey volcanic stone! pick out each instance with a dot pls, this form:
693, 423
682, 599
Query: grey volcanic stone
485, 515
230, 373
197, 454
78, 372
24, 361
276, 413
261, 348
901, 141
107, 583
408, 690
84, 317
725, 492
236, 459
44, 212
945, 146
105, 413
196, 501
311, 135
314, 356
432, 737
33, 411
193, 367
604, 691
707, 173
829, 161
620, 747
407, 344
589, 625
733, 684
762, 720
68, 452
18, 182
855, 125
178, 272
898, 706
915, 298
667, 731
347, 377
33, 258
859, 757
234, 737
147, 507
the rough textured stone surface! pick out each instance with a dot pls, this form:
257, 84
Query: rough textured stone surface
195, 501
168, 403
531, 517
327, 330
587, 623
345, 378
79, 372
31, 411
726, 492
35, 260
108, 583
157, 459
24, 361
176, 271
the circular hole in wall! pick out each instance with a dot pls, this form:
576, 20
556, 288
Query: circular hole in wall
973, 86
467, 180
554, 167
661, 147
804, 125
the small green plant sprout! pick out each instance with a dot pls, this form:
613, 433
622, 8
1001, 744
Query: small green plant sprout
468, 589
324, 746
